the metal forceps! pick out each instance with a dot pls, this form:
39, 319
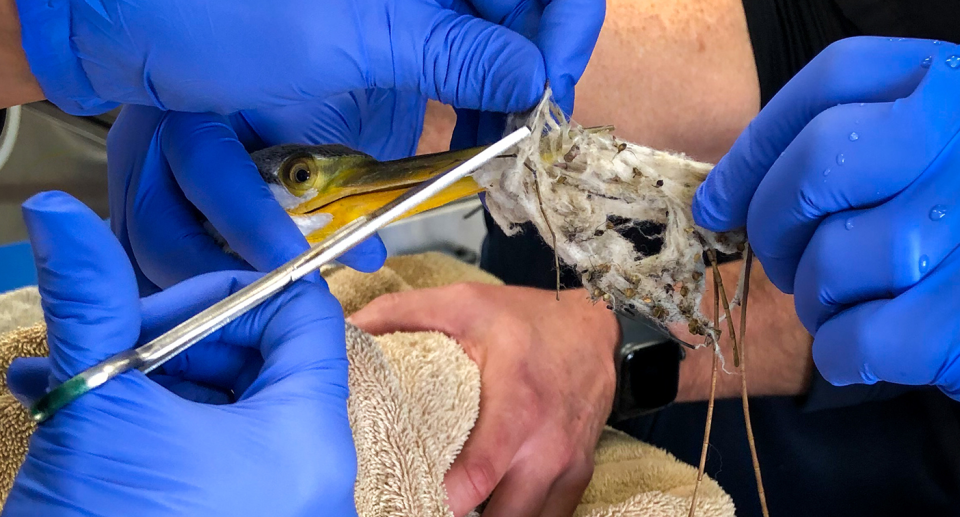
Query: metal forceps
153, 354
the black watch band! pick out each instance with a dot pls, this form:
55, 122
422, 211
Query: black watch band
648, 368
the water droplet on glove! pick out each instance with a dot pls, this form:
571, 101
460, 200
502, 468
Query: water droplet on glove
938, 212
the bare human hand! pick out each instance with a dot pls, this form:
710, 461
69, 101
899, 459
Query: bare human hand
547, 384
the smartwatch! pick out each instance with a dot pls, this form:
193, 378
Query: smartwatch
648, 368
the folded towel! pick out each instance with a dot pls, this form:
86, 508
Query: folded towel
413, 399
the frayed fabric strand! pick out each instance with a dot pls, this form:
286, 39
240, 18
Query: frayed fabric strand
617, 212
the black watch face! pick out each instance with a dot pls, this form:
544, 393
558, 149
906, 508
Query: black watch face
649, 375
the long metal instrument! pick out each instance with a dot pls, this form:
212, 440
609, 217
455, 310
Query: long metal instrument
153, 354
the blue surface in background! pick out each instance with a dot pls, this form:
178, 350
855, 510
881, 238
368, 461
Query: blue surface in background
17, 268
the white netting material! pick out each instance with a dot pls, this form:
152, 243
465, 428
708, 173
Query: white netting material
588, 193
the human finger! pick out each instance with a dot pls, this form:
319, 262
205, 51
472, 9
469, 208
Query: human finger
28, 378
846, 72
464, 62
880, 252
567, 36
300, 334
489, 452
910, 339
167, 238
411, 311
193, 391
87, 286
522, 493
849, 157
567, 491
218, 177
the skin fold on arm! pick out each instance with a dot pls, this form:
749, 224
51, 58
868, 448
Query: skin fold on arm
17, 84
680, 75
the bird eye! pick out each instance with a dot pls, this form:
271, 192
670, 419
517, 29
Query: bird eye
298, 176
301, 175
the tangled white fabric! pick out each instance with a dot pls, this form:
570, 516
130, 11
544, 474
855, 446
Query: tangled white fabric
593, 197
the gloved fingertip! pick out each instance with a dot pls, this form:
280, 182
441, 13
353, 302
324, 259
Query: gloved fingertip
528, 99
517, 84
781, 271
53, 212
720, 204
366, 257
704, 214
563, 89
840, 346
465, 131
315, 278
489, 67
88, 287
28, 378
193, 392
54, 217
52, 201
783, 282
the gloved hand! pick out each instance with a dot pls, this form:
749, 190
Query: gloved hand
165, 167
847, 183
133, 447
209, 55
565, 31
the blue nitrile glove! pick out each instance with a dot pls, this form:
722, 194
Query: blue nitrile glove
565, 31
134, 447
168, 168
211, 55
848, 183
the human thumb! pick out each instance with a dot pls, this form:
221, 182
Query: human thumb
28, 378
472, 63
87, 287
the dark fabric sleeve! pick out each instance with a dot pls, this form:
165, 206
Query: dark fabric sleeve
788, 34
930, 19
823, 395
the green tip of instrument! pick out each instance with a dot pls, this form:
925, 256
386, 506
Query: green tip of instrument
58, 397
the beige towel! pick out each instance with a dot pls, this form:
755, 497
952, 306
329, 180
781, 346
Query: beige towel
414, 398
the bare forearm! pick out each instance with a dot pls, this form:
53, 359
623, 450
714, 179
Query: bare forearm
672, 74
777, 345
17, 84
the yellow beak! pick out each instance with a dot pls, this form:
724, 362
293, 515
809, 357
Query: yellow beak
359, 187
